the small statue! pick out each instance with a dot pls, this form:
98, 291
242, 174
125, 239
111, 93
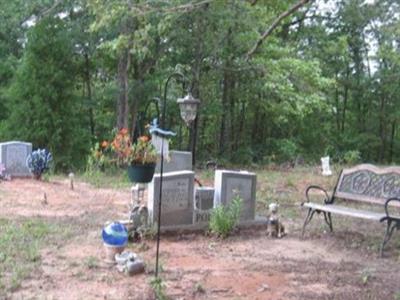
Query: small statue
139, 217
275, 227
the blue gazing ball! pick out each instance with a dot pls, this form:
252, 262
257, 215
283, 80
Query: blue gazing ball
115, 234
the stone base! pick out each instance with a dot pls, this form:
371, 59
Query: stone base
257, 222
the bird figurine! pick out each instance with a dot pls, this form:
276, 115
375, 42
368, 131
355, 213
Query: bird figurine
154, 129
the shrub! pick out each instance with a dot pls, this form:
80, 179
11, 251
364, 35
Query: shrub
286, 150
352, 157
223, 219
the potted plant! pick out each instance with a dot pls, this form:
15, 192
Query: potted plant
38, 162
142, 159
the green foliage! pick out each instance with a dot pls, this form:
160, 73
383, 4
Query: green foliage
352, 157
224, 219
43, 103
315, 84
286, 150
158, 286
92, 262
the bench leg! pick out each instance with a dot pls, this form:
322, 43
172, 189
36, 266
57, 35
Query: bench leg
328, 220
388, 234
310, 215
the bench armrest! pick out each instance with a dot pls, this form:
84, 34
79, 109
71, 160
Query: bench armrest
386, 207
327, 199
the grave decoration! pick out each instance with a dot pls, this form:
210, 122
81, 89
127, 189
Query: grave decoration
275, 226
159, 137
13, 156
39, 162
142, 160
326, 170
115, 238
129, 263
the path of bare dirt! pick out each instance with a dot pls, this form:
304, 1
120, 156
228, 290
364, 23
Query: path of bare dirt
246, 266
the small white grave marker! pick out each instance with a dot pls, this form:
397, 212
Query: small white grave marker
326, 170
71, 180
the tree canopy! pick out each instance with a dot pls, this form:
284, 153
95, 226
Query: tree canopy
277, 80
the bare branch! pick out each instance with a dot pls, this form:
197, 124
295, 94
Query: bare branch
275, 24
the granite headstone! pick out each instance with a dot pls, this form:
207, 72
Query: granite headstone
177, 198
178, 161
229, 184
204, 198
13, 156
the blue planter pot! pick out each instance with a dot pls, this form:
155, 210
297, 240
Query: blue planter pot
141, 173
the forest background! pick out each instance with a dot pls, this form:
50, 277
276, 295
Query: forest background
324, 81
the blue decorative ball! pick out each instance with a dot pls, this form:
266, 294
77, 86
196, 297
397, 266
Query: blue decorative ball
115, 234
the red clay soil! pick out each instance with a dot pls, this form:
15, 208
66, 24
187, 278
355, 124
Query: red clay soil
246, 266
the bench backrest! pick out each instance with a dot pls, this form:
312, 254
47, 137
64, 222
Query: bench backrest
369, 183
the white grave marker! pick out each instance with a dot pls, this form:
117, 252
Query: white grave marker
326, 170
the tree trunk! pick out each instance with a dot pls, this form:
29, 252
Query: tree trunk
89, 93
345, 98
122, 109
225, 108
382, 129
392, 136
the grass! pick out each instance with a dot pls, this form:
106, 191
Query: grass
20, 245
92, 262
158, 287
114, 179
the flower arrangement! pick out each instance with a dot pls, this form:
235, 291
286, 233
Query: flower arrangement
39, 161
142, 152
121, 152
120, 146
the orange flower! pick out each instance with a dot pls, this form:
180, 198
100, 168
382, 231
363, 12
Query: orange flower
144, 138
123, 131
104, 144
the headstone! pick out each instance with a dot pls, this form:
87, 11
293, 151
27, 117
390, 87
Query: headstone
203, 205
228, 184
201, 217
204, 198
13, 156
326, 170
177, 198
177, 161
160, 143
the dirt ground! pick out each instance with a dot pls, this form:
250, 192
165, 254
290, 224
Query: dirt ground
249, 265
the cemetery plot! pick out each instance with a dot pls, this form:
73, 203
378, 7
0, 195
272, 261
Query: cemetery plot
71, 265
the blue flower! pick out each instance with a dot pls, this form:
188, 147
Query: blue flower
39, 161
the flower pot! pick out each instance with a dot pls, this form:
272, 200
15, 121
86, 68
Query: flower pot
111, 251
141, 173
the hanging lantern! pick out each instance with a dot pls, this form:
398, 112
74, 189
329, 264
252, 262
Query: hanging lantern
188, 107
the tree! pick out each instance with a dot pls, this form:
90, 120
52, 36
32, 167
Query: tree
44, 106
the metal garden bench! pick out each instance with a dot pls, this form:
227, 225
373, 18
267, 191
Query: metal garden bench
363, 183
